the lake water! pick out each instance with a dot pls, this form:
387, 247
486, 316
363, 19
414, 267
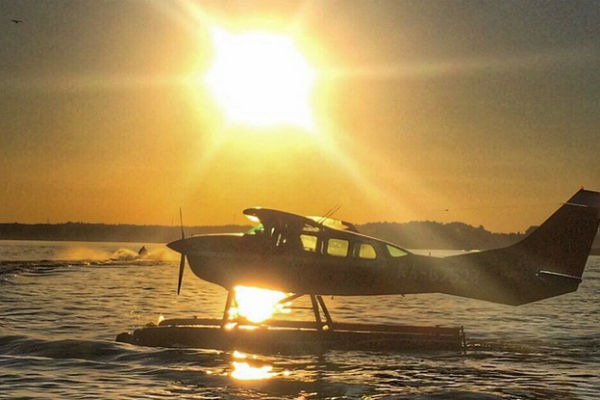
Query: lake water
63, 303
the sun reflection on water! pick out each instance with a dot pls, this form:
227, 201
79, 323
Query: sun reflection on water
244, 371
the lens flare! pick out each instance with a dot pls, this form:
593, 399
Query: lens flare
256, 305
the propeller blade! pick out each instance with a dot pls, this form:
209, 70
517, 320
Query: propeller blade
182, 262
181, 268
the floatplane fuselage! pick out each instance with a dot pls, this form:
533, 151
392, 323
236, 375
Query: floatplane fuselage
312, 256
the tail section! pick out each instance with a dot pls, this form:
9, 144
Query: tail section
547, 263
564, 241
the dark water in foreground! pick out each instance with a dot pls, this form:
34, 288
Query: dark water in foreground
58, 321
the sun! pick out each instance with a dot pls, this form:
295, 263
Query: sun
261, 79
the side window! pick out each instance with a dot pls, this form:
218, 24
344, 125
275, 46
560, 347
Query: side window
309, 243
366, 251
337, 247
395, 251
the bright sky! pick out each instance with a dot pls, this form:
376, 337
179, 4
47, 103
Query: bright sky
120, 112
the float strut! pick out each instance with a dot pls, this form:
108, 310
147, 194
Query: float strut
315, 307
326, 312
227, 307
289, 298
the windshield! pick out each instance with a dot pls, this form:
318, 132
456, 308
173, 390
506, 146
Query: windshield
256, 230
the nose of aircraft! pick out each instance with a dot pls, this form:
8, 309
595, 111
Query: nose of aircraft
177, 245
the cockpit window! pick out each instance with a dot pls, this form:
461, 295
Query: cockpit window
366, 251
258, 229
395, 251
337, 247
309, 243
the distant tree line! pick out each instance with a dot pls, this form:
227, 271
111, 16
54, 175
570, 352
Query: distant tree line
81, 231
436, 235
410, 235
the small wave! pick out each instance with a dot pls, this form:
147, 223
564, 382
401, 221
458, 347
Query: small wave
96, 350
34, 267
122, 257
447, 395
522, 347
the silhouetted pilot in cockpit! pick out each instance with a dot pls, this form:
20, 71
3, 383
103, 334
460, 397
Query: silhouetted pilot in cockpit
292, 239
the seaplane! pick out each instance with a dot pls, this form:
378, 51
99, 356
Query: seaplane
323, 256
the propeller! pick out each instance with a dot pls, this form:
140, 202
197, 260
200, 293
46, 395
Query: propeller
182, 262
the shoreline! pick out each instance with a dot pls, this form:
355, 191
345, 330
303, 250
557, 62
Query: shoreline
409, 235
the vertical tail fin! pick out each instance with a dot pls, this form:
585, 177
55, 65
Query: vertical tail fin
562, 243
547, 263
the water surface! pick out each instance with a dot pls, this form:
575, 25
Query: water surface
63, 303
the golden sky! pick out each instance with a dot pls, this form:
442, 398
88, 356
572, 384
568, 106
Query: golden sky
481, 112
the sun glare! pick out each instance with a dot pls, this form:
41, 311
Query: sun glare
245, 372
256, 305
261, 79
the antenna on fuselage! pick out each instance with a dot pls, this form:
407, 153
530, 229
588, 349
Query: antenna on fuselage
329, 213
181, 223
